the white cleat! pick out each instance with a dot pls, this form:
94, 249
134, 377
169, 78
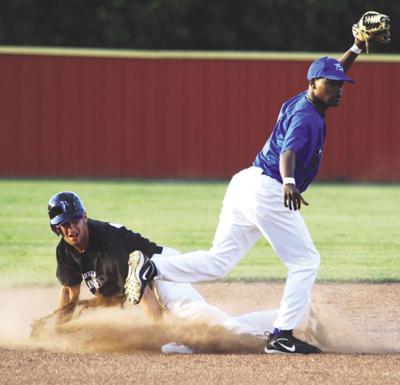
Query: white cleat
133, 283
174, 348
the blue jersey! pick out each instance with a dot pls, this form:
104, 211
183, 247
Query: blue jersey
299, 128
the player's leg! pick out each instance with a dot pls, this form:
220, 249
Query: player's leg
260, 321
291, 240
263, 321
183, 301
235, 235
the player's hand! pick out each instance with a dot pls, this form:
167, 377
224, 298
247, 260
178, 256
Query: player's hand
292, 197
359, 43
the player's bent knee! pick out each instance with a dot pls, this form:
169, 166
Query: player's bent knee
187, 308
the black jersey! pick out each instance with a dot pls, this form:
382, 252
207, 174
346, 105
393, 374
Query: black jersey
104, 265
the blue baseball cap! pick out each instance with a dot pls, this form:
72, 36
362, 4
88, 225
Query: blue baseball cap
326, 67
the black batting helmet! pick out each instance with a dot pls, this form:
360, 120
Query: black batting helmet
63, 207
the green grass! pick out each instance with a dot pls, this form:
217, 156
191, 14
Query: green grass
355, 227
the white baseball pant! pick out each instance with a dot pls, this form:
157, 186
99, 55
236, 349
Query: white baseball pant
183, 301
253, 207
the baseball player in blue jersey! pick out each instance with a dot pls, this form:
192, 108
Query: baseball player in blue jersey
264, 200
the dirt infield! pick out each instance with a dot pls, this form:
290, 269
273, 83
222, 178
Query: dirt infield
359, 334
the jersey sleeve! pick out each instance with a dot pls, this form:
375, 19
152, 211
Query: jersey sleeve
134, 241
297, 134
68, 271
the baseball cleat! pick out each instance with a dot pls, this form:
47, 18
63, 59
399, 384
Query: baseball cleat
174, 348
284, 342
141, 271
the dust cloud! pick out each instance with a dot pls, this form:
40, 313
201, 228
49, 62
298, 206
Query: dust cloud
333, 327
106, 329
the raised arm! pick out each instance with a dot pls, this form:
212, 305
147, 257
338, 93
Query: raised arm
372, 26
351, 54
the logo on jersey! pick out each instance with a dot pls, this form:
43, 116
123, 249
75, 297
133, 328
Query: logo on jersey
93, 282
338, 67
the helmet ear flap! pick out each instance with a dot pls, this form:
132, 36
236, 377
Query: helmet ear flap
55, 229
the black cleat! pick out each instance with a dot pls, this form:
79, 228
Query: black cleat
141, 271
284, 342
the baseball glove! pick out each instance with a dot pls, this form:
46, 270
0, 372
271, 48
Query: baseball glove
373, 26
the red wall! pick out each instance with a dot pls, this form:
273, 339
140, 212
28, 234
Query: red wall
141, 117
